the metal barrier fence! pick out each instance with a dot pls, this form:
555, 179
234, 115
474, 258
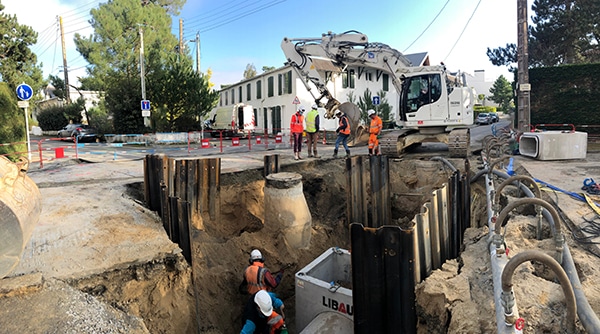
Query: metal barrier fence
126, 146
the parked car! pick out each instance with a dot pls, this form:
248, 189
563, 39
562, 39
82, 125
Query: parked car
78, 132
494, 117
483, 118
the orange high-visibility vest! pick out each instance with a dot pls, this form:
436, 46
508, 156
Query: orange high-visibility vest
255, 275
297, 123
376, 125
345, 131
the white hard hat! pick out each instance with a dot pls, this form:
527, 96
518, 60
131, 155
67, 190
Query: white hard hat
263, 300
301, 108
371, 112
315, 106
256, 255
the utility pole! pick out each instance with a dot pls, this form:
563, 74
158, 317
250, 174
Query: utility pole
64, 54
523, 86
197, 40
180, 37
142, 76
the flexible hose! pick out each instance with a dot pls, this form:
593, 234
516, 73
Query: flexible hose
511, 180
589, 319
551, 263
494, 163
522, 201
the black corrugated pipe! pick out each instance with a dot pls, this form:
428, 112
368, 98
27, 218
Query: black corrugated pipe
529, 255
589, 319
446, 162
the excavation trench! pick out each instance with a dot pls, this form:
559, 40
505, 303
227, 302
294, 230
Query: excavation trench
221, 256
159, 292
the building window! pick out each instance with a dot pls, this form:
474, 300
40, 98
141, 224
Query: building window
258, 90
279, 84
270, 88
386, 82
287, 82
233, 96
221, 100
248, 92
226, 98
240, 94
348, 79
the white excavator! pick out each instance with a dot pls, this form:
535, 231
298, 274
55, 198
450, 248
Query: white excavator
434, 105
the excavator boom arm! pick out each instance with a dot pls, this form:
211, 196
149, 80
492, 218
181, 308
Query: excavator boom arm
349, 48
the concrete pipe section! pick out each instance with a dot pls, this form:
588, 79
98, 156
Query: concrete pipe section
286, 209
20, 208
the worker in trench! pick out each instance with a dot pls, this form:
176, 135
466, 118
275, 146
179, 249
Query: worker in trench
259, 316
257, 277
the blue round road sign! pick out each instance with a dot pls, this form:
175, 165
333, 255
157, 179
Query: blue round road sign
24, 92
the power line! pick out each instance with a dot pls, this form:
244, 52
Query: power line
203, 29
465, 28
218, 10
435, 18
80, 9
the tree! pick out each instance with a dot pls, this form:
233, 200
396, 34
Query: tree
183, 108
12, 121
268, 68
563, 32
250, 71
17, 62
113, 53
58, 84
502, 93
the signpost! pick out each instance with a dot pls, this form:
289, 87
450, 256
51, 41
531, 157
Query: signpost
24, 93
145, 108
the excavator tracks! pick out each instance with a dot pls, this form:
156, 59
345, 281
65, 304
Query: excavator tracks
458, 143
395, 143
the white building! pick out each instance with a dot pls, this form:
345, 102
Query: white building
274, 96
478, 83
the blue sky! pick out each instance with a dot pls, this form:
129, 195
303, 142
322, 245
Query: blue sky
235, 33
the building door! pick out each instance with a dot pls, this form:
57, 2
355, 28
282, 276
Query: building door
265, 122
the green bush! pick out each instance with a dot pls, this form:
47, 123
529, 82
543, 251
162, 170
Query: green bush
12, 124
486, 109
52, 118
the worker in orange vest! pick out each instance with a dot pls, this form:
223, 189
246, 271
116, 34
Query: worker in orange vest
257, 277
297, 128
374, 131
343, 132
260, 317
